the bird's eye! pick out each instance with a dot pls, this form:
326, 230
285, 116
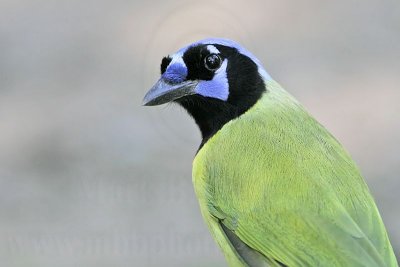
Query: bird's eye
212, 62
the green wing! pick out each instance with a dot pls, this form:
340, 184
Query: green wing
276, 180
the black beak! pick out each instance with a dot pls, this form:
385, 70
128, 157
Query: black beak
163, 92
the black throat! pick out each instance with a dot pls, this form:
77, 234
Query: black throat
246, 87
209, 114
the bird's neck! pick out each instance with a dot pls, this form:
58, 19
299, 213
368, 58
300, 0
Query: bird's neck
209, 114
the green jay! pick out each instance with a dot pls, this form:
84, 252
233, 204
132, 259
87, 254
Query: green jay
275, 188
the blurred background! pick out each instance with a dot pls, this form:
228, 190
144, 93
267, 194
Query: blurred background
89, 177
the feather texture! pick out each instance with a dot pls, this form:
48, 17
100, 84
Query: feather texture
288, 190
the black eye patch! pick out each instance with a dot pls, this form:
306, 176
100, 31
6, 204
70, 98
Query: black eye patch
194, 60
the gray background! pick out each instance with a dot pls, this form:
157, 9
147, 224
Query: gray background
89, 177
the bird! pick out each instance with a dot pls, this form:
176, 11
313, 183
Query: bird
274, 187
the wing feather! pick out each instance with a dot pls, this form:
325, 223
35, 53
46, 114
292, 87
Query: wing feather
286, 188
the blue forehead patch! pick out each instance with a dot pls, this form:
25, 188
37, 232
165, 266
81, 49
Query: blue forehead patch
175, 73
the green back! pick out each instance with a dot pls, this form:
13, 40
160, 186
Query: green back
287, 188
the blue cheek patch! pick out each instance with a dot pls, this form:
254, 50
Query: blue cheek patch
175, 73
218, 87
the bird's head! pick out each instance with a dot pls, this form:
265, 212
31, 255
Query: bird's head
215, 80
